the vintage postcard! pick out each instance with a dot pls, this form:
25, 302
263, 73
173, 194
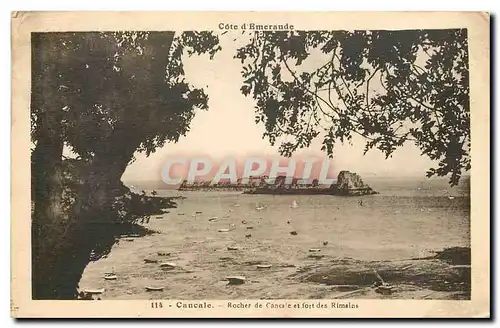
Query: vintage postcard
250, 164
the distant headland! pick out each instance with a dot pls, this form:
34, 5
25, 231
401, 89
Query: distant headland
348, 184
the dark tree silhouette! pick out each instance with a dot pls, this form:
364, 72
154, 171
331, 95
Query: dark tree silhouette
391, 87
105, 96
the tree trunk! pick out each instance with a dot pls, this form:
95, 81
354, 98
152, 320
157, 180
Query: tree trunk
62, 244
91, 223
64, 260
48, 216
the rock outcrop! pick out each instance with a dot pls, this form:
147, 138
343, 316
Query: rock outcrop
433, 277
351, 184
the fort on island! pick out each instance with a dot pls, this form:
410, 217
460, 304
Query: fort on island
348, 184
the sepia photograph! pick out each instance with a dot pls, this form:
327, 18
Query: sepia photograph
254, 159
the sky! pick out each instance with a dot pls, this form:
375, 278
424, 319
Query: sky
228, 127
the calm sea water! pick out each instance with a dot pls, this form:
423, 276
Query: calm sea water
409, 218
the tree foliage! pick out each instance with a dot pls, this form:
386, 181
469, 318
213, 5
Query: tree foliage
105, 95
122, 87
391, 87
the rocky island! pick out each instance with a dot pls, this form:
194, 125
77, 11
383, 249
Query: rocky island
348, 184
351, 184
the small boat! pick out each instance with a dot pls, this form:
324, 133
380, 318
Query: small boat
244, 221
385, 288
233, 248
293, 233
181, 213
163, 253
236, 280
151, 260
198, 212
236, 205
129, 239
260, 207
248, 235
451, 197
294, 204
316, 256
168, 265
325, 243
264, 266
94, 291
249, 228
461, 266
159, 217
313, 250
134, 235
213, 219
223, 230
110, 277
154, 289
